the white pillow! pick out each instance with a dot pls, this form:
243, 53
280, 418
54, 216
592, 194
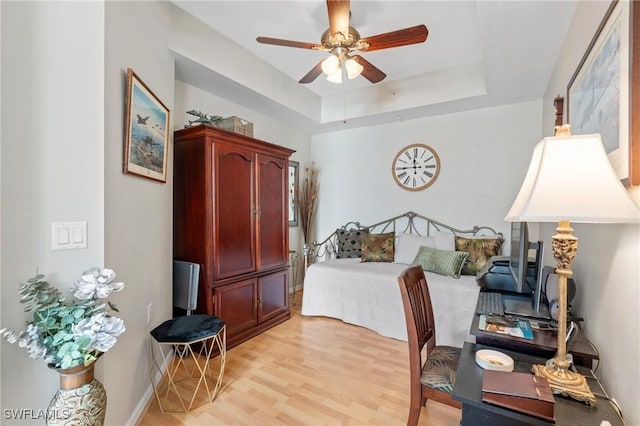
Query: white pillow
408, 246
445, 241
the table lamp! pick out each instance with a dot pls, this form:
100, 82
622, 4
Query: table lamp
570, 179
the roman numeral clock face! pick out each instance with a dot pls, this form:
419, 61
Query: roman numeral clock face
416, 167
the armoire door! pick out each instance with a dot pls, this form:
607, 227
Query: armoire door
273, 295
272, 223
236, 305
234, 231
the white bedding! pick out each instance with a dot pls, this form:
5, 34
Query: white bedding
367, 294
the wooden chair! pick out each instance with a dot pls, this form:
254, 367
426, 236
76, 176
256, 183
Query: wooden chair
434, 376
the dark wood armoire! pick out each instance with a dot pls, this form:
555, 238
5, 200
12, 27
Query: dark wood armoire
230, 199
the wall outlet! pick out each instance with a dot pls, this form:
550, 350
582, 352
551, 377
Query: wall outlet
149, 312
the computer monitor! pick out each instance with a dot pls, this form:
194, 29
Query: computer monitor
517, 273
519, 257
524, 270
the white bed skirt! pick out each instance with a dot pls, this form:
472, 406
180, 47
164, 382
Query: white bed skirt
367, 294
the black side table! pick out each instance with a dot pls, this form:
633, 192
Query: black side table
468, 390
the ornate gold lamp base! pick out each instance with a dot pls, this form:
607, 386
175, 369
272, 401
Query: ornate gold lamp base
561, 379
566, 382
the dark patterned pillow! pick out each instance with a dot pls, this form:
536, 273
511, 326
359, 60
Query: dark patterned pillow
377, 247
480, 250
349, 242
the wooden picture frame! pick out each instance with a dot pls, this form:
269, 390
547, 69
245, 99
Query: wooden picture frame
634, 88
293, 192
146, 145
600, 93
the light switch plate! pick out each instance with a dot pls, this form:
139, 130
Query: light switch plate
68, 235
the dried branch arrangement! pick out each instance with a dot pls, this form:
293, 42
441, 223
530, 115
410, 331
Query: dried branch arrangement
306, 199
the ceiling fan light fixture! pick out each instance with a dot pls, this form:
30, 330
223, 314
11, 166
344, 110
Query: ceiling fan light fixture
342, 40
336, 77
331, 65
353, 68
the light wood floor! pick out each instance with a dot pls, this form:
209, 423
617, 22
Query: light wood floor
312, 371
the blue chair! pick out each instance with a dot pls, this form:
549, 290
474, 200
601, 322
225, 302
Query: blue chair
183, 348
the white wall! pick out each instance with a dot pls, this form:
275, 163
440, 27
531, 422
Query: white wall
606, 268
138, 211
188, 97
0, 198
484, 156
52, 166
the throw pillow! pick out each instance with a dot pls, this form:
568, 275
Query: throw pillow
377, 247
408, 246
480, 250
445, 241
441, 262
349, 242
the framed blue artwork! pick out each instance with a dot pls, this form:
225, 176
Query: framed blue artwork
146, 145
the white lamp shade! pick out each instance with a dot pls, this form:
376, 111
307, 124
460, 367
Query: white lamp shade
353, 68
336, 77
571, 178
330, 65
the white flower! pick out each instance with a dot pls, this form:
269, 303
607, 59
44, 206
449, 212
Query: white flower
68, 334
96, 283
101, 329
103, 342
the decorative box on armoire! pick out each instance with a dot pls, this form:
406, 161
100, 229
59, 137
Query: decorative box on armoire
230, 215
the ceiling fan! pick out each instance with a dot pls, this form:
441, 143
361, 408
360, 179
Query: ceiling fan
342, 40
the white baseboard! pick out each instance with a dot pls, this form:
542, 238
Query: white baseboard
140, 409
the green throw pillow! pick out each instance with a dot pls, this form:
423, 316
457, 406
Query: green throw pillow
441, 262
377, 247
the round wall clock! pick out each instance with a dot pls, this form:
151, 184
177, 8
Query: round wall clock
415, 167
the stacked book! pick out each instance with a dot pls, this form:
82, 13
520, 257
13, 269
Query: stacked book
522, 392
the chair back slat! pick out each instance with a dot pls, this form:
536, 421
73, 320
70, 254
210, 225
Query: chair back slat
418, 314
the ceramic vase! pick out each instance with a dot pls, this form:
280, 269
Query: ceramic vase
81, 399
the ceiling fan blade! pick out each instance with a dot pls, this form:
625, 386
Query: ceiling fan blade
370, 71
289, 43
411, 35
313, 74
339, 11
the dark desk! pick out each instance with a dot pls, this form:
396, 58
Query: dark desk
544, 344
468, 390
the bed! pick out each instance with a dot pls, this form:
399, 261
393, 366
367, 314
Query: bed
343, 282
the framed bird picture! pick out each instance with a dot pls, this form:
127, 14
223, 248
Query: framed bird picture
146, 144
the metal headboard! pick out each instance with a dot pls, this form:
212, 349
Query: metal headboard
408, 223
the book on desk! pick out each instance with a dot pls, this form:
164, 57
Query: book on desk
521, 328
521, 392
